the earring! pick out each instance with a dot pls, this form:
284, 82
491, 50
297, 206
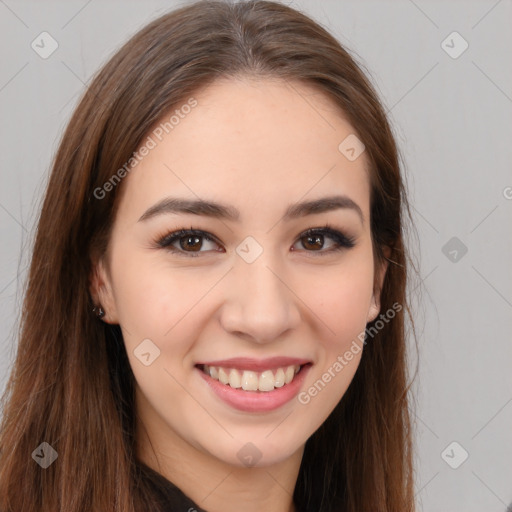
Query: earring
100, 313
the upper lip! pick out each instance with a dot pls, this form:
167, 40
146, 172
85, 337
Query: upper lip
258, 365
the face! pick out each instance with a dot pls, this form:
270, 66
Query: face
249, 296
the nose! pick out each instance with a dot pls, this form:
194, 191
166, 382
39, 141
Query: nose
260, 304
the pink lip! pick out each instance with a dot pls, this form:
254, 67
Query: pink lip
256, 401
256, 365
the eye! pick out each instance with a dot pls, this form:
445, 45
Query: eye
190, 241
315, 239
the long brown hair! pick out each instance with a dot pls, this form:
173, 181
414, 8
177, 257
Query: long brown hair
71, 385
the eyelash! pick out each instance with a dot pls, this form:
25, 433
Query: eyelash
342, 241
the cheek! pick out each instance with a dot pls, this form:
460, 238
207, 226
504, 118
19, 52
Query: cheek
161, 302
155, 299
149, 297
345, 305
341, 298
342, 304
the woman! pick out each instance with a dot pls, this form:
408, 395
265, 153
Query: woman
215, 308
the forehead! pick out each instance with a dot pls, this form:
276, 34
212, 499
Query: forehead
250, 143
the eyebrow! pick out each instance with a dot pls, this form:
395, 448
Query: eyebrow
177, 205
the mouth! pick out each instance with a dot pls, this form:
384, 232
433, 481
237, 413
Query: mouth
254, 386
251, 380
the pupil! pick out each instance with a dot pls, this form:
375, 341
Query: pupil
316, 238
194, 237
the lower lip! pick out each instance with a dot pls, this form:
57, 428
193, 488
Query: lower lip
257, 401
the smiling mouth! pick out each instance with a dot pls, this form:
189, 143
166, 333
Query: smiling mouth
248, 380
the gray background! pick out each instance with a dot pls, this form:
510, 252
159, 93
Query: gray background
452, 119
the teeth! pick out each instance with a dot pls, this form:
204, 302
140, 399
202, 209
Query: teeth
253, 381
249, 381
289, 374
266, 381
234, 379
223, 376
279, 381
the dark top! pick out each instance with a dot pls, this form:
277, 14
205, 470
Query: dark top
168, 496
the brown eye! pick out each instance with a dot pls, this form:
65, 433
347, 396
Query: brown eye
313, 240
190, 241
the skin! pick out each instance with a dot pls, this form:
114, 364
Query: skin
258, 145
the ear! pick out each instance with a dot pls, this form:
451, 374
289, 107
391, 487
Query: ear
379, 280
100, 287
